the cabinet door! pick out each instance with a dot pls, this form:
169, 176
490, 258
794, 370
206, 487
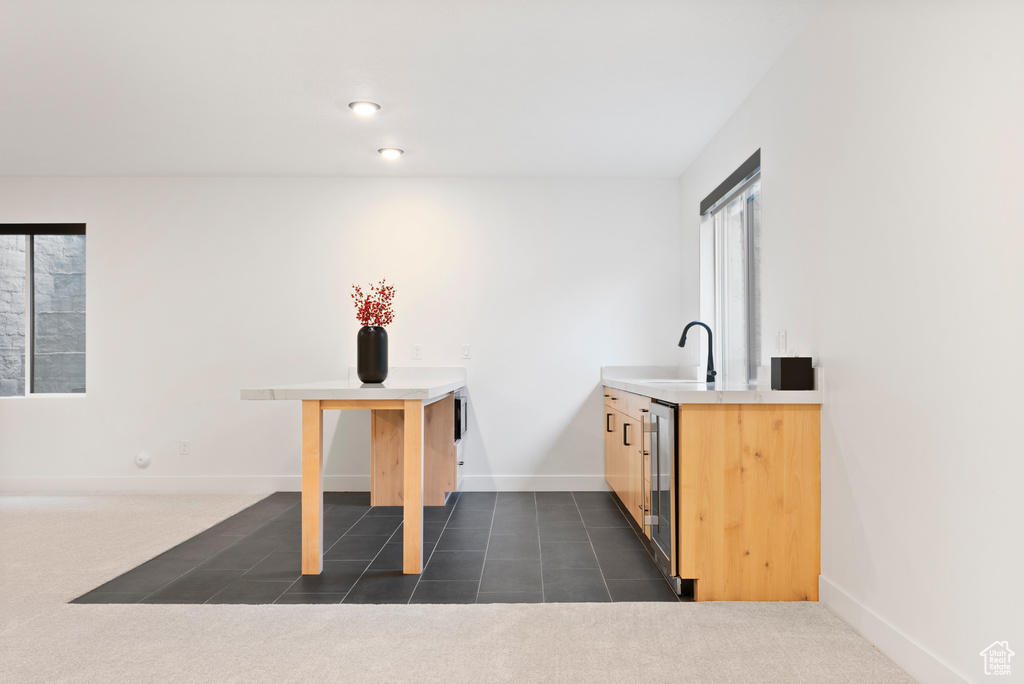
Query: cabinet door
749, 497
636, 495
624, 436
632, 460
612, 429
623, 460
440, 468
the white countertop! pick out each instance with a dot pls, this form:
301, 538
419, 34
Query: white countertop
402, 383
678, 386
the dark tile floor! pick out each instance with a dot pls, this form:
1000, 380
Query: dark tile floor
486, 547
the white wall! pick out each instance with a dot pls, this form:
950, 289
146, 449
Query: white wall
199, 287
892, 140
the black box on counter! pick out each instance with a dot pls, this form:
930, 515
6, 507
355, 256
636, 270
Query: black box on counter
792, 373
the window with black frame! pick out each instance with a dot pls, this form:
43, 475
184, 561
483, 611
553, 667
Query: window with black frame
730, 236
42, 309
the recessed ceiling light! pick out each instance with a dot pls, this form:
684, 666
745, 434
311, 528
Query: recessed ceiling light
391, 153
364, 108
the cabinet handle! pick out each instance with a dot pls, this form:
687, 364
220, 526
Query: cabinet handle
625, 435
608, 422
644, 411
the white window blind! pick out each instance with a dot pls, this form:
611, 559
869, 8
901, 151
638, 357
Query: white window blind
730, 279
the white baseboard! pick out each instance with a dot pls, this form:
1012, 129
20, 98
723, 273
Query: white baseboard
534, 483
287, 483
918, 661
244, 483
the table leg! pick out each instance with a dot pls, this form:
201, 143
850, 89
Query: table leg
312, 488
412, 550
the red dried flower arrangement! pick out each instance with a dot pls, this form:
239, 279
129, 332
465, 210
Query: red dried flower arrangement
374, 308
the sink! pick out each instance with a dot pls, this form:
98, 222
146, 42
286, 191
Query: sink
672, 382
659, 384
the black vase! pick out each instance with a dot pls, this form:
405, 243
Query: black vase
372, 353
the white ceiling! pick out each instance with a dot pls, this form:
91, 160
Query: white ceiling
467, 87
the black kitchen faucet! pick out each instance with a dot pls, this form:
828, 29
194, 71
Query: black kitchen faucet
711, 359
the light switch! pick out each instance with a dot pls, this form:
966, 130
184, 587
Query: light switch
465, 351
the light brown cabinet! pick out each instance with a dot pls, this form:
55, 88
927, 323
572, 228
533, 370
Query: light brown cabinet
440, 461
616, 452
623, 454
633, 462
612, 453
749, 496
747, 493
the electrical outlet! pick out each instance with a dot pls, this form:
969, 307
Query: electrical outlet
417, 352
465, 351
183, 447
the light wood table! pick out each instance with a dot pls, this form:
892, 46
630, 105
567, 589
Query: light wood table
405, 390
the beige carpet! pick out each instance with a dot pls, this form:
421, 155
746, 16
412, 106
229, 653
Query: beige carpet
54, 548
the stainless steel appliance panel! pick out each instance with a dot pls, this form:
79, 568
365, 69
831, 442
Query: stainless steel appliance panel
662, 479
461, 416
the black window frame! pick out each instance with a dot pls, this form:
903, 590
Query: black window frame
30, 230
